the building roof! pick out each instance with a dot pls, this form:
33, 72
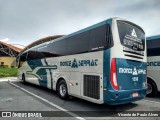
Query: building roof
11, 46
42, 40
9, 50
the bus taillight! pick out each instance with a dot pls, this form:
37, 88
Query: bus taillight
113, 74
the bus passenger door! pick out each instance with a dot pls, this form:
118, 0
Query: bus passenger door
75, 83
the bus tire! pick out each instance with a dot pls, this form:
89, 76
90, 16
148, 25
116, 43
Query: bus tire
62, 90
151, 88
23, 79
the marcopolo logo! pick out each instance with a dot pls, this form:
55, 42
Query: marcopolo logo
133, 33
133, 71
79, 63
157, 63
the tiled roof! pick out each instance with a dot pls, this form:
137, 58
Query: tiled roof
11, 47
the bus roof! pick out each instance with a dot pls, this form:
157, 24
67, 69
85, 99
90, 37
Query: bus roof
153, 37
91, 27
72, 34
75, 33
85, 29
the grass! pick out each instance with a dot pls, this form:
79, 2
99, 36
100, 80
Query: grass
8, 72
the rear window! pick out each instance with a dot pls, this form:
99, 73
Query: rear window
131, 36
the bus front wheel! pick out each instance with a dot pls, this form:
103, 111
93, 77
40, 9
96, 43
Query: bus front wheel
151, 88
62, 90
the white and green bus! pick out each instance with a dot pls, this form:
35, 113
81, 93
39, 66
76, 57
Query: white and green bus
103, 63
153, 65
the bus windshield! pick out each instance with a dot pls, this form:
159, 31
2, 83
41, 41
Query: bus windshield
131, 36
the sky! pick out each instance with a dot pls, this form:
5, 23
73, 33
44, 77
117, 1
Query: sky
24, 21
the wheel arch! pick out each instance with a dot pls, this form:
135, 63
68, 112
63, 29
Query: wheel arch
59, 79
153, 80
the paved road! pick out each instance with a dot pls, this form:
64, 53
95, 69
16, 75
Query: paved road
156, 99
15, 99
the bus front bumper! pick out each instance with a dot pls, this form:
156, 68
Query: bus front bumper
113, 97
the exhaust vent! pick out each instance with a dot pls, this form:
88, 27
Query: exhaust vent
91, 86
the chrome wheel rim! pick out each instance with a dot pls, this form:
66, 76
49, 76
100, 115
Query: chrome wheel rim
63, 90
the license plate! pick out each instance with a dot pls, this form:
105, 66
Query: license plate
134, 94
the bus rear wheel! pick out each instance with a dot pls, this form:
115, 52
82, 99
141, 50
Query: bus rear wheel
151, 88
62, 90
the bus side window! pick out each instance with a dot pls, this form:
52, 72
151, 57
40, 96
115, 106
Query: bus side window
153, 47
22, 59
57, 48
109, 38
32, 54
78, 43
97, 38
